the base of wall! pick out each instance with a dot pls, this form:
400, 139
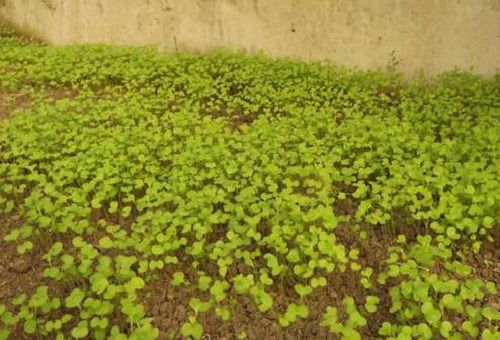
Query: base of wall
429, 35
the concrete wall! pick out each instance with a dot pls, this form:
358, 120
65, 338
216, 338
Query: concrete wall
432, 35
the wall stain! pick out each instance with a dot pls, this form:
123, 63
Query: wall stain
99, 6
166, 6
50, 4
256, 6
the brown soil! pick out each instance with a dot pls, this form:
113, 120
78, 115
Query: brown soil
169, 307
9, 102
58, 93
4, 100
18, 274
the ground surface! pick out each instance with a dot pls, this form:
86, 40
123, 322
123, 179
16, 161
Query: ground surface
229, 196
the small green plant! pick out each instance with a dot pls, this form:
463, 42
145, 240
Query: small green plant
136, 179
192, 328
293, 312
349, 328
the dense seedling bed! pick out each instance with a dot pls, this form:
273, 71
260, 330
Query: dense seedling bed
227, 196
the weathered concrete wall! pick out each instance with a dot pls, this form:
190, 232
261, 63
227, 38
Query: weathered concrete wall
433, 35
